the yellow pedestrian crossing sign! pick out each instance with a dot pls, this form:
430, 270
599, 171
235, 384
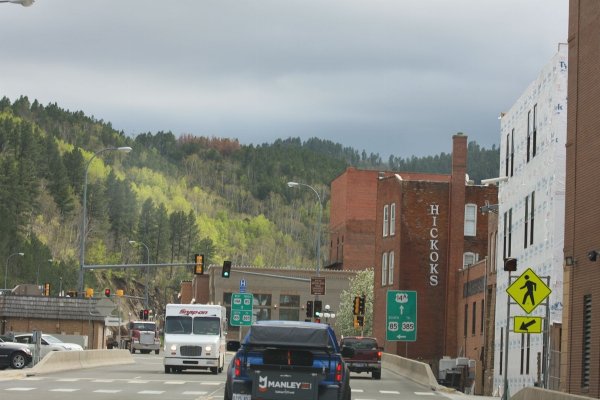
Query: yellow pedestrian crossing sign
528, 291
527, 324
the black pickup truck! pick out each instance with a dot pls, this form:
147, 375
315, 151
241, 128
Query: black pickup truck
288, 360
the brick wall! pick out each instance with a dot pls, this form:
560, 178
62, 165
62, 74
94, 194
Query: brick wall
582, 219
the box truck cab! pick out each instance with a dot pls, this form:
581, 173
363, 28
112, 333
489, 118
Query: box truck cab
194, 337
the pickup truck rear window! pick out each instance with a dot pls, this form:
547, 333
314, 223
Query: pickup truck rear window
360, 344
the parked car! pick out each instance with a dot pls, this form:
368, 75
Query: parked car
367, 355
49, 343
288, 360
14, 355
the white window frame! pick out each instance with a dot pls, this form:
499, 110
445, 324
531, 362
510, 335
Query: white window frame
392, 219
391, 268
469, 256
470, 220
384, 268
385, 219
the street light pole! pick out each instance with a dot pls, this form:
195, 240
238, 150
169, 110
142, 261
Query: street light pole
296, 184
6, 267
147, 263
83, 217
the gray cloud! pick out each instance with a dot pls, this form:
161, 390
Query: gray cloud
388, 76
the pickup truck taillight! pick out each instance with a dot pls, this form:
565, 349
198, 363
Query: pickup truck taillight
237, 364
338, 372
379, 355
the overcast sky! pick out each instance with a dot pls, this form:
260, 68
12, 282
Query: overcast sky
388, 76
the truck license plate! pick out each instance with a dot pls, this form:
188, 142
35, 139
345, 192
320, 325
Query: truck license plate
239, 396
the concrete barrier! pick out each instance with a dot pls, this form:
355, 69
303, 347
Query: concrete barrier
416, 371
57, 361
535, 393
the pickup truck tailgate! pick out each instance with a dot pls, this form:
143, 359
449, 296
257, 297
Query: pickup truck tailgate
276, 384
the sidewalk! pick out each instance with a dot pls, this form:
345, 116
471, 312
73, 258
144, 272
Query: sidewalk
456, 395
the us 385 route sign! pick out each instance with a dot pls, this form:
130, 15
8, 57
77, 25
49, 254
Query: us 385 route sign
401, 315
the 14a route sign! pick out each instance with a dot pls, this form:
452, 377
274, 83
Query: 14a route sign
528, 291
401, 315
241, 309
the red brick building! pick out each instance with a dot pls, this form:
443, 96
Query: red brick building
417, 231
581, 315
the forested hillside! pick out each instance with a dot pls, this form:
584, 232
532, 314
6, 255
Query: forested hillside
177, 195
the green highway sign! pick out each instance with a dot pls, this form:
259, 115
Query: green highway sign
241, 309
401, 315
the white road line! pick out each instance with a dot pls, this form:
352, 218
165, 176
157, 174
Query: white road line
137, 381
103, 380
174, 382
19, 389
66, 390
424, 394
107, 391
389, 392
34, 378
195, 393
356, 390
67, 380
151, 392
211, 383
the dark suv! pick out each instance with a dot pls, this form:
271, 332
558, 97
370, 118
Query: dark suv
288, 360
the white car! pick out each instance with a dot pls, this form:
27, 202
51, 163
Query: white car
49, 343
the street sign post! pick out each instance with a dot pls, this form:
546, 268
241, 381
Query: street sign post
401, 316
317, 286
528, 291
241, 309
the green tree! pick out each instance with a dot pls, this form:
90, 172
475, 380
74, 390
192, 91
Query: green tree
361, 284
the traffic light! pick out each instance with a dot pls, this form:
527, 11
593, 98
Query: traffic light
120, 292
361, 305
141, 314
226, 269
199, 267
146, 312
46, 289
510, 264
356, 326
107, 292
360, 319
309, 309
318, 307
356, 305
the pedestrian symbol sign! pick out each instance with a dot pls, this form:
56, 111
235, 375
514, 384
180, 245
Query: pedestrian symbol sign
528, 291
527, 324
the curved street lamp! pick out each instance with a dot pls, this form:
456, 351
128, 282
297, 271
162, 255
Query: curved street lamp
125, 149
6, 267
296, 184
132, 242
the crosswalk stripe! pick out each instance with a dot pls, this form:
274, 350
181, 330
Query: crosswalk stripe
195, 393
107, 391
389, 392
66, 390
20, 389
151, 392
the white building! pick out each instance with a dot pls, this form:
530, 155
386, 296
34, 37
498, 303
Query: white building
531, 220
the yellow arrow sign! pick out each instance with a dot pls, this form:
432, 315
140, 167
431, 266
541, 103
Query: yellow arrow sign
527, 325
528, 291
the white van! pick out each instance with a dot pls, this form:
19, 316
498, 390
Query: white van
194, 337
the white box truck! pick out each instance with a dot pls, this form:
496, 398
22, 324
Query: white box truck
194, 337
